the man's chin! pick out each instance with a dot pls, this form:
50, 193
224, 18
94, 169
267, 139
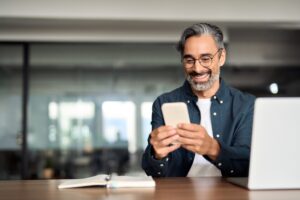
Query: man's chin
202, 82
202, 85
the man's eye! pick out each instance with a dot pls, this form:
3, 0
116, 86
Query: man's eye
205, 59
189, 61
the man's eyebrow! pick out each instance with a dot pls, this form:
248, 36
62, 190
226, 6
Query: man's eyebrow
188, 56
206, 54
201, 55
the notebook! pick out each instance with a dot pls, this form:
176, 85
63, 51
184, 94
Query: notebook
109, 181
275, 145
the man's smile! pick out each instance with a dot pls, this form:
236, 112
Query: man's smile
200, 77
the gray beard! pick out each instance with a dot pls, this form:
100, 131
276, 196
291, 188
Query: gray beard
203, 86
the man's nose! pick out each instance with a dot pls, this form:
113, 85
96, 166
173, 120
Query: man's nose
197, 66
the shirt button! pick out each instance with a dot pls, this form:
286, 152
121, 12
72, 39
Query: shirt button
159, 173
219, 164
218, 135
221, 102
215, 97
231, 171
161, 165
188, 101
167, 159
215, 114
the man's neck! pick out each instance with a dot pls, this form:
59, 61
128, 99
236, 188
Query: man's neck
208, 93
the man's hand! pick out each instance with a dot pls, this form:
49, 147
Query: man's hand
195, 138
161, 138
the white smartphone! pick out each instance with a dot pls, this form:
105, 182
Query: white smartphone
175, 113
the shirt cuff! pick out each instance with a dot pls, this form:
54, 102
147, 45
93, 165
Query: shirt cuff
159, 166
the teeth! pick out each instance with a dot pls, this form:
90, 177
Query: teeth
202, 75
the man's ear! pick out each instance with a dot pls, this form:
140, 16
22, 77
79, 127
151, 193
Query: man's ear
222, 57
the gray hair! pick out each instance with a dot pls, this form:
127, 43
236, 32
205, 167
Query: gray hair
201, 29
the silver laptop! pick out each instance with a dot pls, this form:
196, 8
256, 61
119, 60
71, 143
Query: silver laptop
275, 146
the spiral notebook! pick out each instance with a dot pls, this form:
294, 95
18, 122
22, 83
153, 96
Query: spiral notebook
110, 181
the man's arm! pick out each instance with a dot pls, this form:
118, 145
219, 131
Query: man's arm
160, 158
233, 158
195, 138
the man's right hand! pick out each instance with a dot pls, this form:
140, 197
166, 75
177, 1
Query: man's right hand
163, 140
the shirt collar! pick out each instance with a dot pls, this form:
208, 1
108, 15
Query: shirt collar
222, 92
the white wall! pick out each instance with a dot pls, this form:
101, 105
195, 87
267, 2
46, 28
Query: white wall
157, 21
160, 10
134, 20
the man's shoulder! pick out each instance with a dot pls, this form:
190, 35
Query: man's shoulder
242, 97
171, 96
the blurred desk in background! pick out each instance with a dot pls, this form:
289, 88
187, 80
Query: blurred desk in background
166, 189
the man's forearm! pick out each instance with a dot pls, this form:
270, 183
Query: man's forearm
214, 150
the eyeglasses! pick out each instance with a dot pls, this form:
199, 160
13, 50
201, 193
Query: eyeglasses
205, 60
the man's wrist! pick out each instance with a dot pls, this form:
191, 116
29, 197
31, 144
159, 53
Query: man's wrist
158, 157
214, 150
155, 155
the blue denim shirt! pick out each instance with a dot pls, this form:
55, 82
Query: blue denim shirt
231, 118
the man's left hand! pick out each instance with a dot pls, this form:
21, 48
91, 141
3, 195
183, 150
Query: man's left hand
195, 138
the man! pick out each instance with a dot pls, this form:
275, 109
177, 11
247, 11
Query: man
217, 141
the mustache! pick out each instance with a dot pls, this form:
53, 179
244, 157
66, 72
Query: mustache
193, 73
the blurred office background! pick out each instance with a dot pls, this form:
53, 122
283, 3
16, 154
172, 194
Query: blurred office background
78, 78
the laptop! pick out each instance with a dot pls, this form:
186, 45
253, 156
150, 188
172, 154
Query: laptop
275, 145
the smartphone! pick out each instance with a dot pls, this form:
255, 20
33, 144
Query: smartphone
175, 113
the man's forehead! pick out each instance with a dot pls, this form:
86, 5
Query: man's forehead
203, 44
200, 46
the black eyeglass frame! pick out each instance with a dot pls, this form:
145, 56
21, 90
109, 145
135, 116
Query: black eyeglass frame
193, 60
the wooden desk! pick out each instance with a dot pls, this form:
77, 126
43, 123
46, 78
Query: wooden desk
166, 189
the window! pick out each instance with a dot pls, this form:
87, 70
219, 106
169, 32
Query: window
146, 121
119, 124
73, 120
10, 110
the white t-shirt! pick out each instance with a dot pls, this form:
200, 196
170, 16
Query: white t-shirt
200, 166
